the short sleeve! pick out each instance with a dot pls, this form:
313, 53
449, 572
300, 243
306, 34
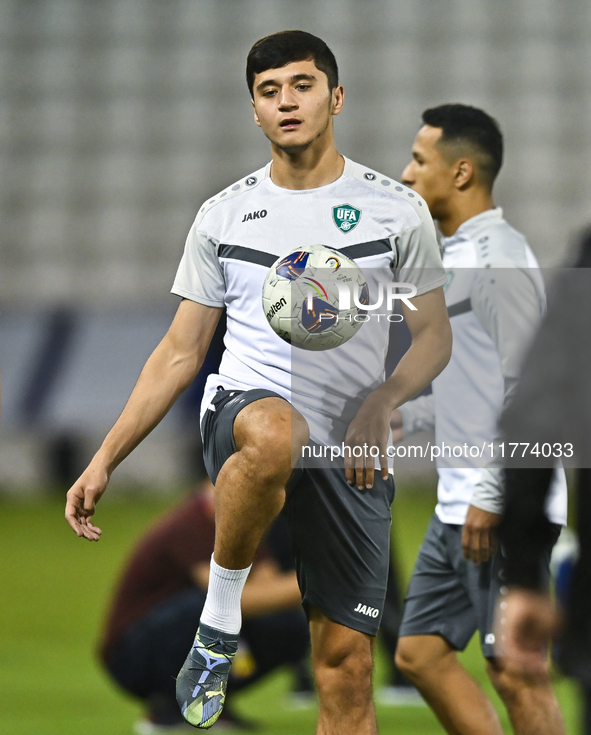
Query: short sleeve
418, 260
200, 276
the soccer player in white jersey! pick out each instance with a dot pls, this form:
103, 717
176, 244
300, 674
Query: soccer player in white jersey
268, 401
495, 299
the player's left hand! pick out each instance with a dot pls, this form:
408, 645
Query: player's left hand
479, 536
367, 436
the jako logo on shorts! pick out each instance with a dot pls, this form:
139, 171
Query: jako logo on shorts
372, 612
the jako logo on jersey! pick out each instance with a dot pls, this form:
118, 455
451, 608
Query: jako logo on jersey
276, 306
346, 217
373, 612
255, 215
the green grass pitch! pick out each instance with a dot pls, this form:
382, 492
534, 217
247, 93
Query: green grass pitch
54, 589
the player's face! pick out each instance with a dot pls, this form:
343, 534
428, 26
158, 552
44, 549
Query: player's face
294, 106
430, 173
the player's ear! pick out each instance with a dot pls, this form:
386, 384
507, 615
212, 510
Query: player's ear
256, 117
338, 99
464, 173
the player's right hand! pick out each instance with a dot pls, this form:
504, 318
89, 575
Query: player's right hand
368, 430
81, 501
479, 535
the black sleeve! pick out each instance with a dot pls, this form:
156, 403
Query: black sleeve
535, 415
552, 403
525, 531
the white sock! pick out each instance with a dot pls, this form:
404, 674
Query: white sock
222, 604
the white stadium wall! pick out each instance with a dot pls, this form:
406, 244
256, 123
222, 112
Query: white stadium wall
119, 117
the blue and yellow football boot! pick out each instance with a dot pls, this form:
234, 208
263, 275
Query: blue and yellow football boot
202, 681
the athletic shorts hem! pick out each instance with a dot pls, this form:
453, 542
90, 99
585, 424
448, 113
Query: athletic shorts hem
217, 424
410, 631
337, 616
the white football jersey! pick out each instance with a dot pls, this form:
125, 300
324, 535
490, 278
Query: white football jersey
238, 234
495, 299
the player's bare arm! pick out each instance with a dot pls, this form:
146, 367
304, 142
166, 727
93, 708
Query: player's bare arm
167, 373
428, 354
397, 426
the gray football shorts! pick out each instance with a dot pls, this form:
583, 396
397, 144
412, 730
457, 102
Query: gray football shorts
452, 597
340, 535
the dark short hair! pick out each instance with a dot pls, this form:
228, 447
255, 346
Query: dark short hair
280, 49
462, 124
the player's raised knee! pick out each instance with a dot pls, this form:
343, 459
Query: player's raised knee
272, 430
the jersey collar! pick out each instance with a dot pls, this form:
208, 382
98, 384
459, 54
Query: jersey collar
471, 226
